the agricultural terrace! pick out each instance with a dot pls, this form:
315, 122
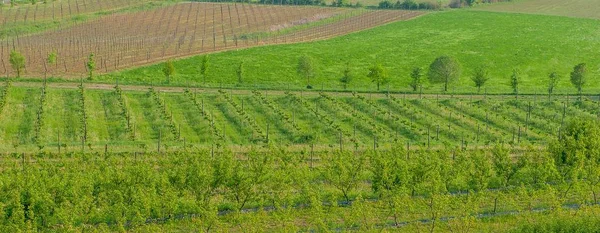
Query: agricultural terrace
123, 40
40, 117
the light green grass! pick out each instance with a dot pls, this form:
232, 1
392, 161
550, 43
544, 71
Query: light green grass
534, 44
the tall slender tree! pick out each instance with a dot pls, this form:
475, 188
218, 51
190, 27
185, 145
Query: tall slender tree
579, 77
306, 69
552, 82
480, 77
346, 76
416, 79
204, 67
514, 82
168, 70
17, 61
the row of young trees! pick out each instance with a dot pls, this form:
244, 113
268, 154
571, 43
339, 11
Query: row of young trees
127, 191
444, 70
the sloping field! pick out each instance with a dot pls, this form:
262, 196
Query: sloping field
57, 10
136, 118
572, 8
124, 40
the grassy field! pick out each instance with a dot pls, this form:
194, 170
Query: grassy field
137, 120
571, 8
534, 44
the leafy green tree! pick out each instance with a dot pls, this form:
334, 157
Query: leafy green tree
204, 65
480, 77
306, 69
17, 61
168, 70
346, 76
416, 79
552, 82
579, 77
378, 75
240, 72
91, 66
514, 82
343, 170
444, 70
577, 153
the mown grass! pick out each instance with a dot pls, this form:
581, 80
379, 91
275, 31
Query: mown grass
534, 44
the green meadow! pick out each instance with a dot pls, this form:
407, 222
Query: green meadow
535, 45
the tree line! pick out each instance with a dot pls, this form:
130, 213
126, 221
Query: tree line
444, 70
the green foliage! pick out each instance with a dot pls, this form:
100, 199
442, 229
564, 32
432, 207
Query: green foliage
444, 70
378, 75
240, 72
480, 77
553, 79
306, 69
52, 58
577, 148
515, 80
417, 79
347, 76
168, 70
204, 65
91, 66
17, 61
579, 76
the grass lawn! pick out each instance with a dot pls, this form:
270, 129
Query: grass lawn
534, 44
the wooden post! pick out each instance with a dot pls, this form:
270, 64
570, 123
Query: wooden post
519, 136
105, 150
312, 152
428, 137
59, 142
437, 132
407, 150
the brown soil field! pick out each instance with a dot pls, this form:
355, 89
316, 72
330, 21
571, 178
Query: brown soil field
131, 39
61, 9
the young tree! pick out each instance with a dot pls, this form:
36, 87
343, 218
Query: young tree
378, 75
480, 78
168, 70
579, 77
240, 72
51, 60
514, 82
552, 82
306, 69
91, 65
416, 79
444, 70
17, 61
204, 67
346, 76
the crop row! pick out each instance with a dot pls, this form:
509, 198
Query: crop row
84, 116
239, 109
164, 113
39, 122
124, 112
216, 133
4, 94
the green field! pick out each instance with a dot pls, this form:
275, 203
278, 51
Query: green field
136, 120
536, 45
129, 152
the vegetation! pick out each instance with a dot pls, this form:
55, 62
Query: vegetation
306, 69
444, 70
17, 61
378, 75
